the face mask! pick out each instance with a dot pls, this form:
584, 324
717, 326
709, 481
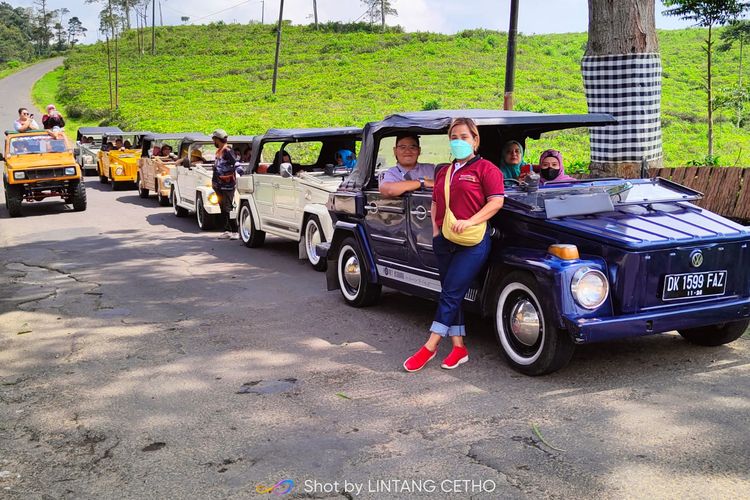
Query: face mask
461, 149
550, 173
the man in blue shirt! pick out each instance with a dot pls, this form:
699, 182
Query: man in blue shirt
408, 174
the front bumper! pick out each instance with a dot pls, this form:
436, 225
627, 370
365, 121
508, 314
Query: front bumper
587, 330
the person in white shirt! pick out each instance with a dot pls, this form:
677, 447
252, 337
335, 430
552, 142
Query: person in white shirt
25, 121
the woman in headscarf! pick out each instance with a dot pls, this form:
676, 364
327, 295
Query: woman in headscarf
551, 167
511, 160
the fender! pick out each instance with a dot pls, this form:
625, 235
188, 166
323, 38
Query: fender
552, 273
250, 202
205, 192
341, 231
324, 217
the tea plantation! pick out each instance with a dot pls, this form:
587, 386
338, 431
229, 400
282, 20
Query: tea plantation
218, 75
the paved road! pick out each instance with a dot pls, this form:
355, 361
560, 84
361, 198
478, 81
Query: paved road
16, 91
142, 358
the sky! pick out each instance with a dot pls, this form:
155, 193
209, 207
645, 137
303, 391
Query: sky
444, 16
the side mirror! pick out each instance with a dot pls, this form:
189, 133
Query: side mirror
285, 169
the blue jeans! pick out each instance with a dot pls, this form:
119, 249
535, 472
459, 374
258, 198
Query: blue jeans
458, 266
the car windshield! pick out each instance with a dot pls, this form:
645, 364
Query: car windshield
594, 196
36, 144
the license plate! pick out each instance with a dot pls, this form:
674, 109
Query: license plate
694, 285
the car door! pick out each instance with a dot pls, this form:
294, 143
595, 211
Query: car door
420, 229
386, 224
285, 202
264, 196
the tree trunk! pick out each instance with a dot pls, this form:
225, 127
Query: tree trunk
709, 92
109, 74
739, 87
622, 76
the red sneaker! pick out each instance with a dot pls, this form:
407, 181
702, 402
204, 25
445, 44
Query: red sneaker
419, 359
458, 356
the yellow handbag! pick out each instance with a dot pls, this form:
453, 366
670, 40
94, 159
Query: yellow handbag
470, 236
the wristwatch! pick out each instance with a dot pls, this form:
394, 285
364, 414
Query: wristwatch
421, 183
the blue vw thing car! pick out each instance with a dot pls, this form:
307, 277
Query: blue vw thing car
571, 263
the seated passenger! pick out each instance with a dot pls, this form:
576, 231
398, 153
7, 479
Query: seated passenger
551, 167
56, 132
127, 145
166, 150
118, 144
511, 160
245, 156
345, 158
408, 174
280, 157
196, 157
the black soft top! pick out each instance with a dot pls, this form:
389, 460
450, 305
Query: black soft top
98, 131
303, 134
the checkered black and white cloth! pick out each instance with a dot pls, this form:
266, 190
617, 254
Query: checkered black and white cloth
628, 86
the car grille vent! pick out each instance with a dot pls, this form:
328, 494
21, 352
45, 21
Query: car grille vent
45, 173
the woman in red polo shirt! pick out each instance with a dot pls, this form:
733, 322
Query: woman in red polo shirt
476, 194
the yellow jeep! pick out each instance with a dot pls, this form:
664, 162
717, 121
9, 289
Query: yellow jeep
39, 165
118, 158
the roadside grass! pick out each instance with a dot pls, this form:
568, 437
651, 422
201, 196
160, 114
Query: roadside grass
219, 75
44, 92
14, 67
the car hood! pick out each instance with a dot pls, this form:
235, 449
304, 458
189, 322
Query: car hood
42, 160
659, 225
326, 182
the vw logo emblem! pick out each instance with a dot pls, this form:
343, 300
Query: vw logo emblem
696, 258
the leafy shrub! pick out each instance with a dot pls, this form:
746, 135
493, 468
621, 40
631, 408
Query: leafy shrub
431, 104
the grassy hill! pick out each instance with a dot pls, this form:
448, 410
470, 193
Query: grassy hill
219, 75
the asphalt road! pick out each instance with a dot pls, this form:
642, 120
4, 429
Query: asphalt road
142, 358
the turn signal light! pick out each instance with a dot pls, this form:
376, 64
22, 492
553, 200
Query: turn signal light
564, 251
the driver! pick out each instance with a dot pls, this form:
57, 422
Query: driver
407, 174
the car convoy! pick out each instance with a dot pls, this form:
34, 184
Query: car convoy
571, 263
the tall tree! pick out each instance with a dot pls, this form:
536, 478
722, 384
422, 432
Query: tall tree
75, 30
43, 23
737, 31
707, 14
622, 76
378, 9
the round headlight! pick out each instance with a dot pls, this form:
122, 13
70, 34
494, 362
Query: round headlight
120, 171
213, 198
166, 182
589, 287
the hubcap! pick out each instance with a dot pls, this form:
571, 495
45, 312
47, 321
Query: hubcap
312, 238
352, 274
524, 322
245, 223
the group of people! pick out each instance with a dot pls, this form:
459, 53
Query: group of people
52, 120
466, 194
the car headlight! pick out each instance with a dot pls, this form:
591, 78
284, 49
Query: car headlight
19, 175
166, 182
213, 198
589, 287
119, 171
70, 171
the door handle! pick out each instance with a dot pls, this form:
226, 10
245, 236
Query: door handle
373, 208
420, 213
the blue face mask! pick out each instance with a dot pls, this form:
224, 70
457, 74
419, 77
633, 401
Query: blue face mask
461, 149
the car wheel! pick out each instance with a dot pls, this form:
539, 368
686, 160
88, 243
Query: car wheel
249, 234
163, 200
313, 235
530, 340
178, 210
715, 335
357, 290
78, 198
13, 200
142, 191
205, 220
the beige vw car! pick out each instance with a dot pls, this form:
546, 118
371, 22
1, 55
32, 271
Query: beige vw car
156, 164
